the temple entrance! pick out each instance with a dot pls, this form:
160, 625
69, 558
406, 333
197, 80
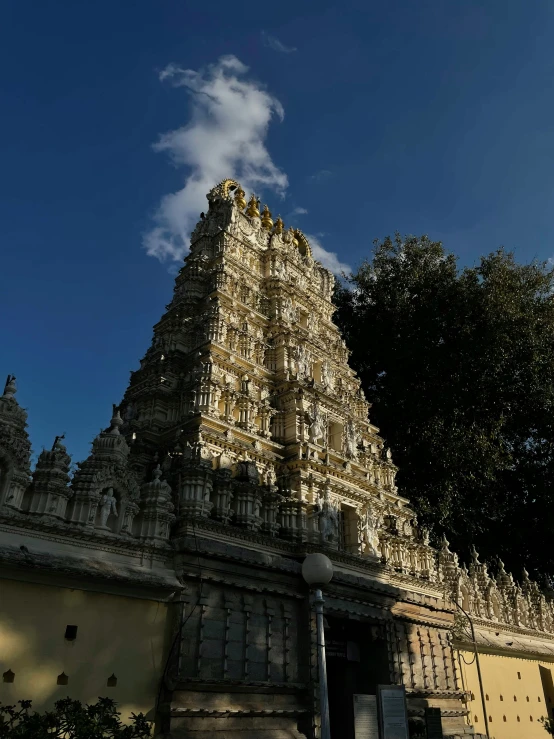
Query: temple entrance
357, 661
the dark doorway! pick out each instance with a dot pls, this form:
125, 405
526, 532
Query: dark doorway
357, 661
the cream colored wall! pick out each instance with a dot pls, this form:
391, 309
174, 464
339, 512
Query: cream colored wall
119, 635
508, 677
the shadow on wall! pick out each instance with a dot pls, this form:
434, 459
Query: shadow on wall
57, 642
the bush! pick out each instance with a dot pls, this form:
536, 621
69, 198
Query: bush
71, 720
548, 724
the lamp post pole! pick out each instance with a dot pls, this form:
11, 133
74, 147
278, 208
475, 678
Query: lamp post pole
322, 666
479, 676
317, 571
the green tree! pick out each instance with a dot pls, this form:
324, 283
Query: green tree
70, 720
459, 367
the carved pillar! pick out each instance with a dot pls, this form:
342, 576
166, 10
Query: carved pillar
270, 511
293, 519
222, 495
196, 483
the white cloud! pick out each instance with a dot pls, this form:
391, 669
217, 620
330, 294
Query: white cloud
273, 43
320, 176
224, 137
297, 212
328, 259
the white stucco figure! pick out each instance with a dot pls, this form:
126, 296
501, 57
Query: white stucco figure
108, 504
302, 361
318, 425
328, 520
351, 440
369, 537
327, 377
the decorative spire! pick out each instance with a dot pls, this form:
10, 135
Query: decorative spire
10, 388
240, 200
267, 222
116, 421
253, 209
279, 226
49, 490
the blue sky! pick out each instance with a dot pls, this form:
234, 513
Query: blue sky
424, 117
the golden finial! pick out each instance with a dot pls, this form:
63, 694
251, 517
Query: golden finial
267, 223
279, 225
240, 200
253, 211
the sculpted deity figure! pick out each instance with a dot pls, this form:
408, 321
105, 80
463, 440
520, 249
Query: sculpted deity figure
280, 271
351, 440
288, 311
271, 477
318, 426
424, 532
328, 519
312, 321
107, 506
327, 378
302, 361
369, 537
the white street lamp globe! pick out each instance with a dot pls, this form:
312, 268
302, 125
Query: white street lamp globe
317, 570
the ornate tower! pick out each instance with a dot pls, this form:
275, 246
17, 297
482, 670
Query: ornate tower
247, 376
242, 443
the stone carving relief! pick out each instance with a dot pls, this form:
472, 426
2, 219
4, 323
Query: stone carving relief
370, 523
318, 425
303, 363
108, 505
328, 519
287, 310
351, 440
327, 376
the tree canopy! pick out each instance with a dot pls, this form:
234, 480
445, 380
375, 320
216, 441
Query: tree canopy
459, 366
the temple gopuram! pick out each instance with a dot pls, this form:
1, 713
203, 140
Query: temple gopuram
165, 572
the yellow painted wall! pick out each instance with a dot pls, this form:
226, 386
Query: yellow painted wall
119, 635
506, 678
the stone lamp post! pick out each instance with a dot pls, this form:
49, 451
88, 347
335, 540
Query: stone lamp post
317, 571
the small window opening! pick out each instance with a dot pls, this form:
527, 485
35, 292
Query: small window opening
490, 719
487, 697
63, 679
475, 720
518, 718
527, 699
519, 675
8, 676
515, 699
503, 718
501, 697
473, 696
530, 718
539, 698
112, 681
70, 633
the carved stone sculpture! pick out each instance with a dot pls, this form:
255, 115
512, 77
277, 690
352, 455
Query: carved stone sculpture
108, 505
318, 426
